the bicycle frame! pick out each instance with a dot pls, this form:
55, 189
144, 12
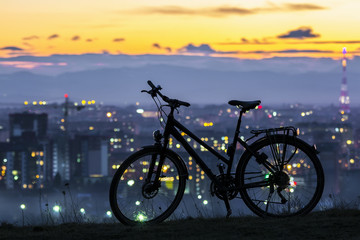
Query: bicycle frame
171, 130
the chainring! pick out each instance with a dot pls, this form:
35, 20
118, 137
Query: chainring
226, 187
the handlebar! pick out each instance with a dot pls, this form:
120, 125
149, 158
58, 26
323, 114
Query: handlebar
172, 102
151, 84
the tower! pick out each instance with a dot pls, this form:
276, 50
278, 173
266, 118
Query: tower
344, 96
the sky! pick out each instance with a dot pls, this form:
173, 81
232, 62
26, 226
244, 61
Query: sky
243, 29
235, 36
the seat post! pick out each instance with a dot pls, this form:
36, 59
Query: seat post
237, 130
236, 135
231, 149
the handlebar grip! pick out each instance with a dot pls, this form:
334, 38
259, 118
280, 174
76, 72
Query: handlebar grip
151, 84
186, 104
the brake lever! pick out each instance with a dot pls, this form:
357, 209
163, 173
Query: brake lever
151, 92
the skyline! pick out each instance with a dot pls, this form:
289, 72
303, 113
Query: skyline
279, 52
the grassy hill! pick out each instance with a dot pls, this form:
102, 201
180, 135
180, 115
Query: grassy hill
331, 224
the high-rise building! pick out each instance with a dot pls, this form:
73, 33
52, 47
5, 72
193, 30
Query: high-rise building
27, 126
344, 95
91, 155
24, 156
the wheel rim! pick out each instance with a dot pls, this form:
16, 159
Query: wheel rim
139, 200
290, 191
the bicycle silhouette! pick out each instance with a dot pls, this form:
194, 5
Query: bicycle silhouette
278, 175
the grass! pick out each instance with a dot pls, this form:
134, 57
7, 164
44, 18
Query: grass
329, 224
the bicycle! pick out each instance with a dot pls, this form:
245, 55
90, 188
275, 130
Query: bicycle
278, 175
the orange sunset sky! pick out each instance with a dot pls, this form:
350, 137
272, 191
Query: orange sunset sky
237, 28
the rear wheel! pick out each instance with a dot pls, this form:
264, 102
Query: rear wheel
294, 188
134, 198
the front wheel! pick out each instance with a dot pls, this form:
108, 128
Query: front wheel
293, 187
136, 196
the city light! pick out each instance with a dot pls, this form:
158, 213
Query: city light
130, 182
129, 134
109, 213
56, 208
22, 206
140, 217
208, 124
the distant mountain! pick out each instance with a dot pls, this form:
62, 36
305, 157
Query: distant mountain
123, 85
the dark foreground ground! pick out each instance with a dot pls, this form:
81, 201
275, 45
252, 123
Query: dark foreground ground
333, 224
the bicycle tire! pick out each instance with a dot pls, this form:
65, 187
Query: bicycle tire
127, 200
303, 168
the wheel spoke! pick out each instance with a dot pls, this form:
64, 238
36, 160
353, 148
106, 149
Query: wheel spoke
256, 184
135, 194
298, 180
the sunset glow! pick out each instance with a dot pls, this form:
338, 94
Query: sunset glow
243, 29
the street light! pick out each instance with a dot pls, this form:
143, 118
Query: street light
109, 214
23, 206
56, 208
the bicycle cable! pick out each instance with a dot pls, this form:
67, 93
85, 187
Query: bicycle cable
160, 111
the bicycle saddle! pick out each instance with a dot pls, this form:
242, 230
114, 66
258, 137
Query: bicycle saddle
246, 105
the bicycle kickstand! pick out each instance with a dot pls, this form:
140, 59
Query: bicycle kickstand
228, 209
226, 198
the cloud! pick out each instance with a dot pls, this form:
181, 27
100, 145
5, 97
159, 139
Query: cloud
156, 45
75, 38
329, 42
300, 33
223, 11
212, 12
302, 7
202, 49
119, 39
53, 36
27, 44
31, 38
89, 40
12, 48
245, 41
288, 51
304, 51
